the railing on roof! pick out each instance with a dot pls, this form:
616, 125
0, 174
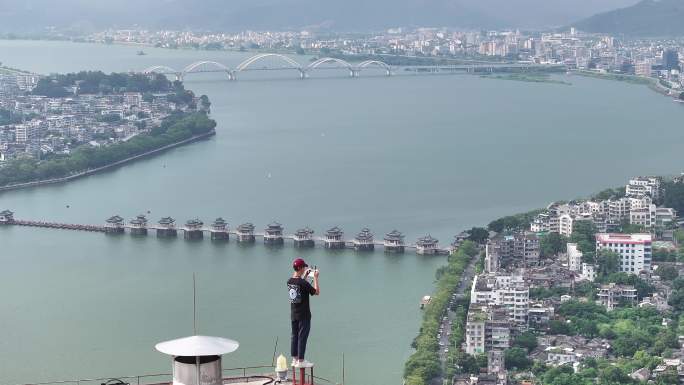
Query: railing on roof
241, 374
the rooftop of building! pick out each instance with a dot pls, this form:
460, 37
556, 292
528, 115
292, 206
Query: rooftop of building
334, 231
114, 219
304, 231
246, 227
394, 235
364, 235
166, 221
623, 238
427, 240
274, 226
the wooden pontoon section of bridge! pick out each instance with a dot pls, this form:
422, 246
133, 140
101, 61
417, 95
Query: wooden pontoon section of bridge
273, 234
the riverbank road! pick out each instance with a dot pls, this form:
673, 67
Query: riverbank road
449, 318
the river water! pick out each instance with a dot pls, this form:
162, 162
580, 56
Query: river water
423, 154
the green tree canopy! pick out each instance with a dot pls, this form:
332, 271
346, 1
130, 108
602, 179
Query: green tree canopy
513, 222
527, 340
516, 358
667, 273
674, 196
583, 233
608, 262
478, 235
173, 129
552, 244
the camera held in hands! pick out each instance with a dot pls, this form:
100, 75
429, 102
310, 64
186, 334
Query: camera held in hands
309, 274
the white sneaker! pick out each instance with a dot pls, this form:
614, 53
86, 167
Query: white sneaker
304, 364
294, 362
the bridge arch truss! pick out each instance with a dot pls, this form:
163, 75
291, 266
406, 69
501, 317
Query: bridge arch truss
206, 66
159, 70
375, 63
245, 65
341, 63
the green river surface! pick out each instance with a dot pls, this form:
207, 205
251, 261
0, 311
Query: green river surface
423, 154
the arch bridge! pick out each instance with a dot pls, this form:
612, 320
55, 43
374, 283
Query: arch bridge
251, 64
164, 70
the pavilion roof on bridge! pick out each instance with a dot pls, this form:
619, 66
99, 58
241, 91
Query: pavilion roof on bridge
394, 235
194, 222
246, 228
139, 220
167, 221
427, 241
304, 232
274, 226
6, 213
335, 231
364, 235
114, 219
462, 235
220, 222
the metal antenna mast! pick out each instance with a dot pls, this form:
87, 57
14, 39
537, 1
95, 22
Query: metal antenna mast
194, 305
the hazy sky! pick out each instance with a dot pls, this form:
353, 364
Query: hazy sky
279, 14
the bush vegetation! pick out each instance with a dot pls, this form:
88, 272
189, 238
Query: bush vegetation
173, 129
424, 363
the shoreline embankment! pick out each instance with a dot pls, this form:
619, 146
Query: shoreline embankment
81, 174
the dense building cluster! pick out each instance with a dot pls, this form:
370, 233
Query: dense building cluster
38, 126
605, 269
574, 49
637, 207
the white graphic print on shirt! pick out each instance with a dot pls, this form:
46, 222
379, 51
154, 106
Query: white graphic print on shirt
295, 293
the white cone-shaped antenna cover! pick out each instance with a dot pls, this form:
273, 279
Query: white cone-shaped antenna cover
198, 346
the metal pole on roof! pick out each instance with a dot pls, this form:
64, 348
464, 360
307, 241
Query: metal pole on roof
342, 368
197, 364
275, 349
194, 324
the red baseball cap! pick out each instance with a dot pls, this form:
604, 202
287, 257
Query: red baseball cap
297, 263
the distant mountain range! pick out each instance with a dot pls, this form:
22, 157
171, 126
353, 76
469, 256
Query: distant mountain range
341, 15
646, 18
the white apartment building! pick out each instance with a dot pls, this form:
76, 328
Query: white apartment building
643, 68
24, 132
574, 257
475, 333
617, 209
643, 216
541, 224
565, 222
665, 216
509, 292
635, 250
588, 273
132, 99
492, 263
610, 295
643, 185
487, 329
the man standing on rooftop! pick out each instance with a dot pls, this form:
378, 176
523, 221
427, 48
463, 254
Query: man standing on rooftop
300, 313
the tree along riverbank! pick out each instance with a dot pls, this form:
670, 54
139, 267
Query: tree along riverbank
176, 130
632, 346
424, 363
653, 84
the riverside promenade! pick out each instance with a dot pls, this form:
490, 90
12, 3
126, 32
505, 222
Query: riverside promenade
109, 166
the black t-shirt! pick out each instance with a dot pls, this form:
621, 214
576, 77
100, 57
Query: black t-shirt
299, 291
